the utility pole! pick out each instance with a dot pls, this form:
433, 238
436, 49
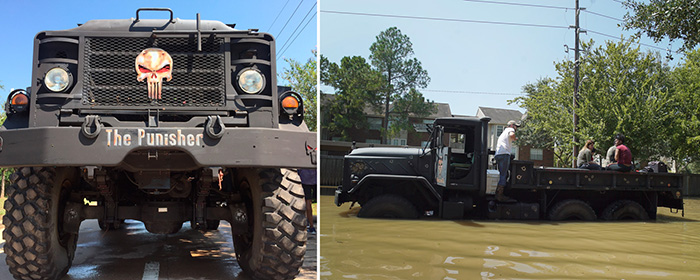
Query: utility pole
576, 84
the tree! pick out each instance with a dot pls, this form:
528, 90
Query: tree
658, 19
686, 102
391, 56
302, 79
623, 90
4, 172
357, 87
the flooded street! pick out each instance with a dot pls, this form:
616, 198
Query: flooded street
354, 248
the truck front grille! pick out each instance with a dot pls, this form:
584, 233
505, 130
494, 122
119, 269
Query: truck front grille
109, 75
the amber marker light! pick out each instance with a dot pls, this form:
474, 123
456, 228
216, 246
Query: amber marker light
20, 99
290, 102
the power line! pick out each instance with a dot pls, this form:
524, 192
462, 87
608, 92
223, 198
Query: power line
278, 15
298, 25
447, 19
290, 18
519, 4
474, 92
602, 15
618, 1
295, 38
640, 43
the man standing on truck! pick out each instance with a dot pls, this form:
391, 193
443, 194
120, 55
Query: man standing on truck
503, 149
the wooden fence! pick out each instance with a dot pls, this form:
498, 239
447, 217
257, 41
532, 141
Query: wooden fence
331, 170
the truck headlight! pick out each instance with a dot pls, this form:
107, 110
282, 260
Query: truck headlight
57, 79
251, 81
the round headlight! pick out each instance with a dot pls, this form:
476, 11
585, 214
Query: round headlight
57, 79
251, 81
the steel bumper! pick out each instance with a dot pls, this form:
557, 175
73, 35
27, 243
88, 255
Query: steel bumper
160, 148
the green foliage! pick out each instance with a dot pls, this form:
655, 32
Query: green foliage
623, 90
302, 79
675, 19
5, 172
357, 87
686, 101
391, 55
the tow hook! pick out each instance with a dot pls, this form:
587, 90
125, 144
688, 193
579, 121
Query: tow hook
214, 127
92, 126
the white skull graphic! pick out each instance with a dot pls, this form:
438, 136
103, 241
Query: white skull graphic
154, 64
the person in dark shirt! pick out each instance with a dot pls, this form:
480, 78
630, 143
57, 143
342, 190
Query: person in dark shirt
623, 156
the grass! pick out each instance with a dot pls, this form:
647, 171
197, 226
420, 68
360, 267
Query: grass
2, 207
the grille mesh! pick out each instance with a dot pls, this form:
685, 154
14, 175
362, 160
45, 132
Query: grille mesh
109, 77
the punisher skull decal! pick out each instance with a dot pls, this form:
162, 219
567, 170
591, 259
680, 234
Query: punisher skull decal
154, 65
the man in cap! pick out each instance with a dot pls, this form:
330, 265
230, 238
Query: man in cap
503, 149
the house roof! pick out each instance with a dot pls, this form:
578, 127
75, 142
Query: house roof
443, 109
499, 116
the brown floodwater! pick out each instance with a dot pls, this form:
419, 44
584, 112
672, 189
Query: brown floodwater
355, 248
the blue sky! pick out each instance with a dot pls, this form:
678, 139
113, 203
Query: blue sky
22, 20
464, 57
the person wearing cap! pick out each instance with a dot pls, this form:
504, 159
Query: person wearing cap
503, 148
623, 155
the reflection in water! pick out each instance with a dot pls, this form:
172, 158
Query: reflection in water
353, 248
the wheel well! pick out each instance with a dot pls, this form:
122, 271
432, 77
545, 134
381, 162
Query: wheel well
414, 191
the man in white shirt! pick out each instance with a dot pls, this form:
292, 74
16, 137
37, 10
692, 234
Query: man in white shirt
503, 149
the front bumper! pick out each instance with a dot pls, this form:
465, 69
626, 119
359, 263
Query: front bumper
157, 148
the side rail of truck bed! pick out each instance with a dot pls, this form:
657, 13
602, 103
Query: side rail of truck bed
668, 185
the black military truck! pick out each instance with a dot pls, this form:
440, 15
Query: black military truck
161, 121
449, 178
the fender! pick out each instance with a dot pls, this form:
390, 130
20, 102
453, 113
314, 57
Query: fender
420, 179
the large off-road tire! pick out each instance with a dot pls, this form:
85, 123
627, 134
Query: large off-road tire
35, 243
572, 209
388, 206
275, 244
625, 210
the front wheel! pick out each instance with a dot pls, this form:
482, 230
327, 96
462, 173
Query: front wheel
275, 244
388, 206
36, 245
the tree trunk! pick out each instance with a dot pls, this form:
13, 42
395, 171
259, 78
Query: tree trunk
385, 138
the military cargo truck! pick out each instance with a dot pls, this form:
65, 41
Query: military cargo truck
449, 178
161, 121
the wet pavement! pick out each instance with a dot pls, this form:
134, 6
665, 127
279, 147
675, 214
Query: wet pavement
134, 253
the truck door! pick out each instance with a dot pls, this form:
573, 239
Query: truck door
442, 158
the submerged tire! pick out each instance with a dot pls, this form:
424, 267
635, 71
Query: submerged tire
388, 206
572, 209
275, 244
625, 210
35, 244
105, 226
213, 224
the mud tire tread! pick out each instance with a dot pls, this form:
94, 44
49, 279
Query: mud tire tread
31, 251
284, 236
625, 208
566, 208
389, 206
